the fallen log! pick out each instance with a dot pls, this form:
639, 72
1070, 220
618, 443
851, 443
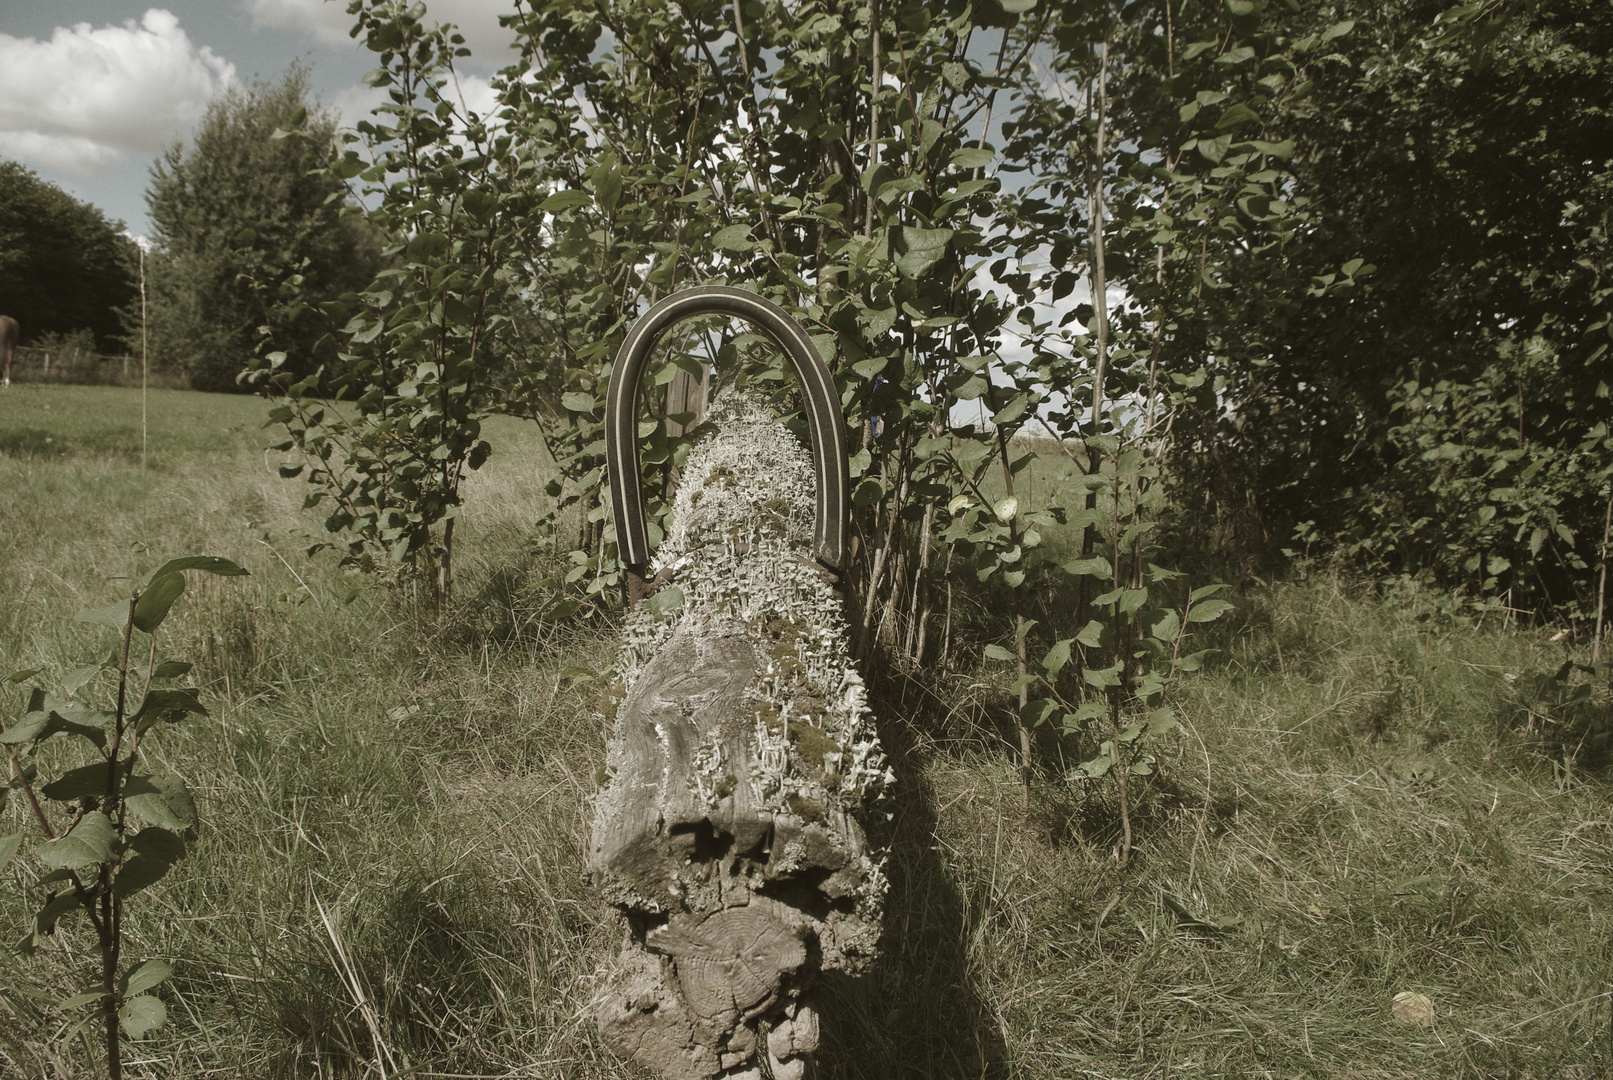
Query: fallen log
741, 756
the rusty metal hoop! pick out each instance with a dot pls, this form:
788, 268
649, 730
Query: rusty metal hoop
824, 418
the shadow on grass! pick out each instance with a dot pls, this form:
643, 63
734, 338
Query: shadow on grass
917, 1013
44, 442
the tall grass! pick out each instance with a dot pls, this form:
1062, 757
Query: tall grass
1367, 798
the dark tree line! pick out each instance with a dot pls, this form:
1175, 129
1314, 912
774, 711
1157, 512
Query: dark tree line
63, 266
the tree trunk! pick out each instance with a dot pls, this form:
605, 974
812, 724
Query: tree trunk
740, 755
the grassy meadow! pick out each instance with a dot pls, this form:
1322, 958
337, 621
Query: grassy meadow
1368, 797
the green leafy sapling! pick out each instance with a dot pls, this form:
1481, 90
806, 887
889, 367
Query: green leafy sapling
125, 827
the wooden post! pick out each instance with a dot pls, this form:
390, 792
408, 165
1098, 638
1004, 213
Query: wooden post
741, 754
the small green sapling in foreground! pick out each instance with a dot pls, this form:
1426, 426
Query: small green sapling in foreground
125, 828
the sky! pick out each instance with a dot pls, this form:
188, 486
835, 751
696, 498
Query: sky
93, 91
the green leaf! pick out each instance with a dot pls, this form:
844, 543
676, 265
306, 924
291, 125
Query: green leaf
143, 978
152, 607
1213, 150
972, 388
1091, 634
868, 492
997, 652
76, 783
167, 706
170, 669
1193, 661
733, 238
1205, 590
75, 680
1161, 721
1057, 657
1337, 30
39, 724
579, 402
428, 246
665, 602
78, 1001
88, 844
1238, 114
1036, 712
921, 249
1208, 611
971, 157
140, 1015
22, 676
8, 848
1162, 624
156, 850
1013, 410
1102, 678
114, 615
211, 564
608, 186
160, 800
45, 918
1098, 766
1017, 7
562, 201
1096, 566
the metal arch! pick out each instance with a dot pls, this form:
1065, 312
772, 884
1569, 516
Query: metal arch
824, 418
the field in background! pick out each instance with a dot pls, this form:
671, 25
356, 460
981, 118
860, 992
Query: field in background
73, 363
1368, 798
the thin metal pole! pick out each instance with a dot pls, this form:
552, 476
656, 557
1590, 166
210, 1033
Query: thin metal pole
142, 359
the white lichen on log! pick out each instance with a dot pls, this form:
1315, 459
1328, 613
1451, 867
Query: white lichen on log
741, 753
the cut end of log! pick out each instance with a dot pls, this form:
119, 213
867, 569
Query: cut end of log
741, 754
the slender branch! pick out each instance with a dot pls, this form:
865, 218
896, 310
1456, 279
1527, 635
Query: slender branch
28, 790
1601, 588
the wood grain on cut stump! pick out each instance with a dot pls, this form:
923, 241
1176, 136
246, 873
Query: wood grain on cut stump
741, 754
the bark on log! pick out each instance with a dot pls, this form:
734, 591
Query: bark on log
740, 757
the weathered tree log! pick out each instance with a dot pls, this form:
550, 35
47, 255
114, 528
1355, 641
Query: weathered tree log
740, 757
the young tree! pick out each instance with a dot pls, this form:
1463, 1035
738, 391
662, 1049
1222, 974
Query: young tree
241, 207
63, 265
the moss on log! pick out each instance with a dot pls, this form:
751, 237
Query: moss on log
740, 758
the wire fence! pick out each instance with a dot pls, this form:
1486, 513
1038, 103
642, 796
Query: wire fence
73, 364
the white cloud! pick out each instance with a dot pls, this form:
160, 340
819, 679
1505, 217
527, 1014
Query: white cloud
327, 21
355, 103
86, 98
477, 95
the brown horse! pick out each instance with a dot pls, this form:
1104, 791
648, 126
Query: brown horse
8, 341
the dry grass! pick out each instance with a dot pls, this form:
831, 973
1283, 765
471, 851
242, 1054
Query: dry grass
388, 877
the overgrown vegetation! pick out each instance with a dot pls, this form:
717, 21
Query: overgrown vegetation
1114, 848
1367, 795
843, 159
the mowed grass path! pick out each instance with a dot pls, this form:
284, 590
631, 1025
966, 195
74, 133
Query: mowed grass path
394, 810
